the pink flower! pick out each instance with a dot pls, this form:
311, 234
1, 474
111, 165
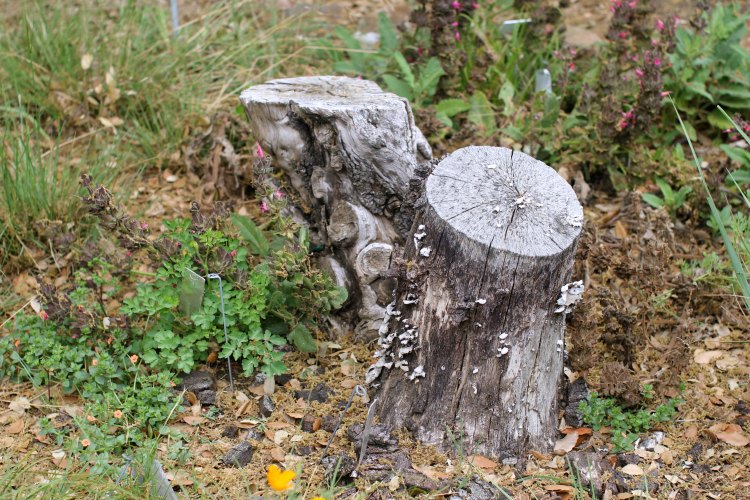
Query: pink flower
233, 253
420, 50
572, 66
144, 226
259, 150
639, 72
454, 24
456, 5
627, 119
458, 36
474, 5
657, 62
43, 315
633, 4
659, 24
278, 194
263, 206
623, 35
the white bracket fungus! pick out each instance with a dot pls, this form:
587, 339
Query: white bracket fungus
570, 293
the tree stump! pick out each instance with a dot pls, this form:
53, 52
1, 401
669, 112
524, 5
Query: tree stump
348, 150
474, 341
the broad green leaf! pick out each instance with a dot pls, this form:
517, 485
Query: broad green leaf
303, 339
653, 200
506, 95
741, 156
388, 35
481, 112
452, 107
406, 71
429, 77
250, 233
398, 87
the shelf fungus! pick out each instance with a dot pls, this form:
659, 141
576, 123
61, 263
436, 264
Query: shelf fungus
570, 293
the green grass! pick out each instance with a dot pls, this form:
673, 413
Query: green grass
107, 89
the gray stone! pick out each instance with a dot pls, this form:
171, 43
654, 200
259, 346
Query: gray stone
266, 406
590, 468
239, 456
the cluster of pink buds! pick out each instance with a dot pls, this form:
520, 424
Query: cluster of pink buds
259, 150
627, 120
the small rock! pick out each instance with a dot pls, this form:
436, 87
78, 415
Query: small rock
207, 397
259, 379
577, 392
255, 435
329, 423
479, 489
379, 440
310, 423
590, 467
197, 381
230, 431
320, 394
266, 406
652, 441
239, 456
627, 459
304, 450
338, 468
283, 379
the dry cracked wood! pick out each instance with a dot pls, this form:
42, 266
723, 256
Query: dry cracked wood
349, 150
474, 341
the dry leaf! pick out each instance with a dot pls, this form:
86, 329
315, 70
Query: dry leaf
15, 428
691, 432
191, 397
20, 405
179, 478
348, 383
482, 462
620, 230
295, 415
566, 444
242, 408
241, 396
703, 357
278, 425
430, 472
729, 433
193, 419
278, 454
86, 61
280, 436
632, 470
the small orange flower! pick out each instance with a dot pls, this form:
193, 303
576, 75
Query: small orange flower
171, 383
280, 480
90, 418
109, 340
94, 362
134, 358
17, 343
85, 442
118, 414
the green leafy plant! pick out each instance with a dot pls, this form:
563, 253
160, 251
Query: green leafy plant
420, 86
710, 66
365, 62
626, 425
269, 293
670, 199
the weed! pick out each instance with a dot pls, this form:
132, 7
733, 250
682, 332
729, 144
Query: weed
670, 199
626, 425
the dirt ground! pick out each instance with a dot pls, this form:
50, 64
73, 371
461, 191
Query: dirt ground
641, 310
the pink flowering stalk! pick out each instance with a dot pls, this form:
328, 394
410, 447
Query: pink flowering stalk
259, 150
456, 5
660, 25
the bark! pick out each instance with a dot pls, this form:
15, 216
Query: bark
348, 149
474, 341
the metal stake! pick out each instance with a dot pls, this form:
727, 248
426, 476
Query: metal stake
226, 335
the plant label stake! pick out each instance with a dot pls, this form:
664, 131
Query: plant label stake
543, 81
215, 276
192, 288
510, 25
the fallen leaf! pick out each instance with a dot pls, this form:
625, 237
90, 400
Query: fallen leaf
348, 383
280, 436
482, 462
15, 428
193, 419
559, 488
191, 397
243, 406
86, 61
703, 357
295, 415
691, 432
241, 396
729, 433
278, 425
430, 472
20, 405
632, 470
566, 444
278, 454
394, 483
179, 478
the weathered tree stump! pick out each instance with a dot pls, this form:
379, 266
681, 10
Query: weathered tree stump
348, 149
474, 342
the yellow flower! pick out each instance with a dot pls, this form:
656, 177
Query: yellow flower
317, 498
280, 480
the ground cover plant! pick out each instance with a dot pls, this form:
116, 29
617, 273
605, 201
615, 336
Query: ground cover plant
95, 336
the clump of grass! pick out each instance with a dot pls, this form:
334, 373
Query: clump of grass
734, 237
